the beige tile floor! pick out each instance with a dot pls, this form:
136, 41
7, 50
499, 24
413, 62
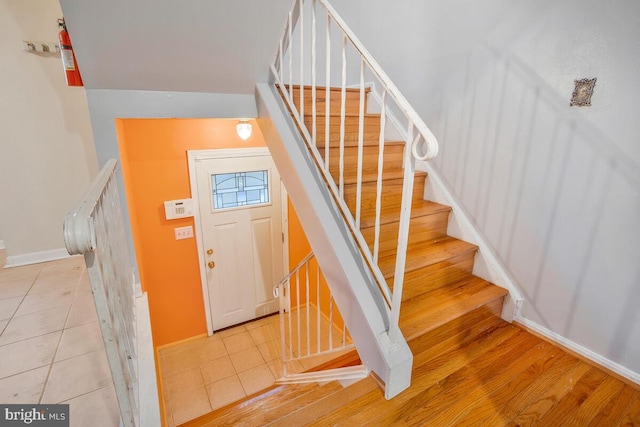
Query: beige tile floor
207, 373
51, 348
204, 374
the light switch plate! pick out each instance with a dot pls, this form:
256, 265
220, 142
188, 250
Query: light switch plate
183, 232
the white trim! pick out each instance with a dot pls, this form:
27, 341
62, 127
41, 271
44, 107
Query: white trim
192, 156
221, 153
148, 398
583, 351
284, 196
36, 257
338, 374
3, 254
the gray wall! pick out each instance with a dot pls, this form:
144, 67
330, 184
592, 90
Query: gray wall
165, 45
554, 189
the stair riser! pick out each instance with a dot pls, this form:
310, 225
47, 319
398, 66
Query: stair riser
351, 126
352, 106
391, 194
370, 138
335, 93
352, 101
461, 331
392, 166
421, 229
392, 156
445, 305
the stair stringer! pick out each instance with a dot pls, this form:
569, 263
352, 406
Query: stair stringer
355, 291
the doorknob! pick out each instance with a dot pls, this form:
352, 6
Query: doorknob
209, 251
211, 264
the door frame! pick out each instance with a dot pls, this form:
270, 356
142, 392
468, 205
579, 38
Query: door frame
222, 153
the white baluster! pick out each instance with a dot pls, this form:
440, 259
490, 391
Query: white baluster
360, 147
313, 72
327, 91
308, 330
383, 119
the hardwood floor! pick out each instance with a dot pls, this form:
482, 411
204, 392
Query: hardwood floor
477, 371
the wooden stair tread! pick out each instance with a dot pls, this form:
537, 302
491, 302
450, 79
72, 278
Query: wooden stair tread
422, 254
233, 413
329, 403
275, 415
428, 311
388, 212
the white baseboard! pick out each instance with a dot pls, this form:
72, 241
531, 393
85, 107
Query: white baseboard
3, 254
577, 348
36, 257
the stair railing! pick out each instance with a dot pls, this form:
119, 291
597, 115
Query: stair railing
95, 229
295, 66
310, 324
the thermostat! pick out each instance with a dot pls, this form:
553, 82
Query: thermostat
174, 209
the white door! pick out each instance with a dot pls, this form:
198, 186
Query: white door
240, 205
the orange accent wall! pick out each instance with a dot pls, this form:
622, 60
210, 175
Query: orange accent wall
153, 155
299, 247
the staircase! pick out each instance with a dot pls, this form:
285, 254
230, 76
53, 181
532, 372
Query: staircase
444, 306
438, 282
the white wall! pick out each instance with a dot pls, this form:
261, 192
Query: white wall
554, 189
47, 157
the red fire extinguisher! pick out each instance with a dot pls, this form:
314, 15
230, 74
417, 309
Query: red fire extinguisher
72, 73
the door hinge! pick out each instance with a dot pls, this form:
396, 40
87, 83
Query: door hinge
282, 237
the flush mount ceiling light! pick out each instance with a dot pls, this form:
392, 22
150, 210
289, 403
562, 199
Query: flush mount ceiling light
244, 129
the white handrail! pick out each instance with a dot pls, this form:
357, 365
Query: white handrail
422, 146
296, 330
401, 101
95, 229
